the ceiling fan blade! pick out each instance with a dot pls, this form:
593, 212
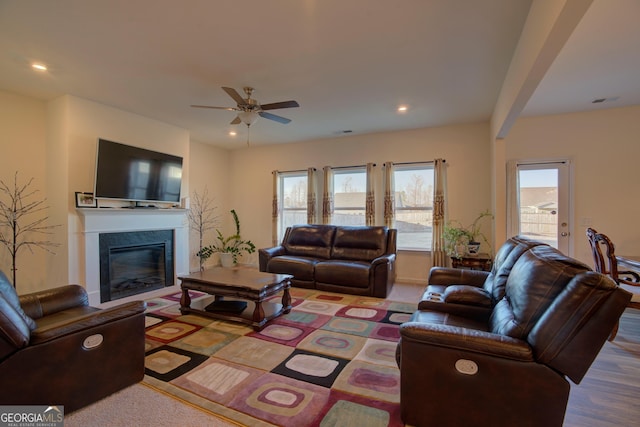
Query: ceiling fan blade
215, 108
283, 104
235, 95
236, 121
273, 117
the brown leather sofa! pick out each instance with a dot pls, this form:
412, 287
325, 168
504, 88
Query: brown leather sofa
512, 368
57, 350
351, 260
473, 292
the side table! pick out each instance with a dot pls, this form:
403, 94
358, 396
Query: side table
473, 262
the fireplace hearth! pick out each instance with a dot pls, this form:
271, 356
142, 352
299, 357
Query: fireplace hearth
135, 262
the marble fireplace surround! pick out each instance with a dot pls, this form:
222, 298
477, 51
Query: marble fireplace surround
112, 220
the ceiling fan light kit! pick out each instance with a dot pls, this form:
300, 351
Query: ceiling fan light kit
248, 117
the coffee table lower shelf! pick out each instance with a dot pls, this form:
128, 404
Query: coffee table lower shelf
249, 316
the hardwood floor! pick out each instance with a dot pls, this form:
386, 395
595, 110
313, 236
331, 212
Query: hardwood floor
609, 395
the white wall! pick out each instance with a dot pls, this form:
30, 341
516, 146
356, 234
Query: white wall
22, 141
209, 172
465, 148
604, 148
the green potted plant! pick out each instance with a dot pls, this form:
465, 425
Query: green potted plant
460, 240
229, 247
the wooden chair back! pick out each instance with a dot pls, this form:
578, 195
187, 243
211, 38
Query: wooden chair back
606, 262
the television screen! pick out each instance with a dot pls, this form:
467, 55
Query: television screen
130, 173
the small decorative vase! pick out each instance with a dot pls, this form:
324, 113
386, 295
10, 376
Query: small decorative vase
226, 260
473, 248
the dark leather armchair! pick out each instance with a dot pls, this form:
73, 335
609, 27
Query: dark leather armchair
473, 293
57, 350
513, 368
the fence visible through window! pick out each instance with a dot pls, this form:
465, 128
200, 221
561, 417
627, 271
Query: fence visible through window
414, 205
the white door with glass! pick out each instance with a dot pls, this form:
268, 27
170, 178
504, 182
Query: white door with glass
540, 205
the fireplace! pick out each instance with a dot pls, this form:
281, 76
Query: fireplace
135, 262
97, 222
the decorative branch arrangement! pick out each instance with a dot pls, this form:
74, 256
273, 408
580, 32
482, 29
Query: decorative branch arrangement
202, 218
17, 221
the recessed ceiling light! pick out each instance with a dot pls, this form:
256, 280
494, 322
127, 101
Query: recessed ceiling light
403, 109
39, 67
232, 133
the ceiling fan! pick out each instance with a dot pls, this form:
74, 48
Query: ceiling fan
249, 109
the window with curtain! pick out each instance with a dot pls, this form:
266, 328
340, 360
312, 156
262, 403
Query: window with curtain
292, 193
413, 196
349, 196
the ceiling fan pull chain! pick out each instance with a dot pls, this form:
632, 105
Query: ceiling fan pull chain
248, 133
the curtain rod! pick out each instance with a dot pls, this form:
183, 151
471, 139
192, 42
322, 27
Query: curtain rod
349, 167
542, 163
417, 163
299, 170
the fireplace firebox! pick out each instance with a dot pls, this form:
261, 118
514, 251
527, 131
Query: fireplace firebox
135, 262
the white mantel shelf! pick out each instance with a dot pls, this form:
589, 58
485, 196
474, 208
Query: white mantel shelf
91, 211
114, 220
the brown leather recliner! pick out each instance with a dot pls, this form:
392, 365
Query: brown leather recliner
513, 368
57, 350
473, 293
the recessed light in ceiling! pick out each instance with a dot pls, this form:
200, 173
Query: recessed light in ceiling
233, 133
39, 67
402, 109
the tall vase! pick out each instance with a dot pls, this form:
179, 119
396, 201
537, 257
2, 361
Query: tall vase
226, 259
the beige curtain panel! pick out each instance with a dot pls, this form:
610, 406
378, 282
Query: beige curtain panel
513, 199
275, 211
370, 204
438, 253
327, 196
389, 196
311, 196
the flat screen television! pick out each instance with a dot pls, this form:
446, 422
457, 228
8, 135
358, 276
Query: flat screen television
135, 174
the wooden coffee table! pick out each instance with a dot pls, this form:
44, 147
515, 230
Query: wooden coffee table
243, 283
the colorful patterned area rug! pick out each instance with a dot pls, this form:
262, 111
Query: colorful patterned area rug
331, 361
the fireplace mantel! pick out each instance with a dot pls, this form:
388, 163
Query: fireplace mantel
112, 220
98, 218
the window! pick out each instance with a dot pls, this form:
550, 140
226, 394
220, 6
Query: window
349, 196
414, 205
292, 191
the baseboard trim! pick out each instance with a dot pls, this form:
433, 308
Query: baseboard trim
410, 281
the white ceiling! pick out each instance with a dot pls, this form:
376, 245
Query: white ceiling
349, 63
